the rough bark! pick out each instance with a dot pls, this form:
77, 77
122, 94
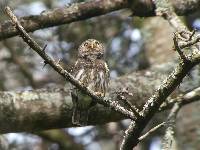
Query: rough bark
86, 10
59, 16
52, 108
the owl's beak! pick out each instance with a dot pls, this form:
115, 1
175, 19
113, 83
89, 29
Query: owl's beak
92, 45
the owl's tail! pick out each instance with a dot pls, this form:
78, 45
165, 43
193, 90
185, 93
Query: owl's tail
81, 109
80, 117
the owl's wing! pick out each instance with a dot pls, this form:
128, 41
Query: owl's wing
74, 72
81, 74
95, 75
99, 83
81, 101
106, 78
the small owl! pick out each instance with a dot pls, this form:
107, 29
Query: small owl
92, 71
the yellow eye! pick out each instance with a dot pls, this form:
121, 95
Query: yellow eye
97, 43
85, 44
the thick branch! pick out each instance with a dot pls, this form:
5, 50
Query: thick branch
163, 8
59, 16
52, 108
86, 10
153, 104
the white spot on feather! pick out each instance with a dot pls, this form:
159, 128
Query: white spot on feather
102, 80
91, 82
79, 74
92, 74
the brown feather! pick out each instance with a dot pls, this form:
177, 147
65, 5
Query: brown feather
92, 71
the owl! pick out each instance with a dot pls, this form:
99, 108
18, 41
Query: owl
92, 72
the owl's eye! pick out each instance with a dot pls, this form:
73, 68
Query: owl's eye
85, 44
97, 43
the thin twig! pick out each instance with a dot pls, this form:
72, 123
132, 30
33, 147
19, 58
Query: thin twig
151, 131
123, 95
58, 68
178, 49
189, 97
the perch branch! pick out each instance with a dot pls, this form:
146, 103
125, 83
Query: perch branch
58, 68
43, 109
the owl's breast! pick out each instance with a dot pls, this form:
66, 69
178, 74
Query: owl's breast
93, 75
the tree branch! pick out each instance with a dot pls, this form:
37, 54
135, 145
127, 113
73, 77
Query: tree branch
163, 8
62, 107
192, 96
150, 107
58, 68
152, 130
86, 10
59, 16
52, 108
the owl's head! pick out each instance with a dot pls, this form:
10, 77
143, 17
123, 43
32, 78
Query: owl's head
91, 49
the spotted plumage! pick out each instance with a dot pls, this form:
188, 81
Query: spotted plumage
92, 71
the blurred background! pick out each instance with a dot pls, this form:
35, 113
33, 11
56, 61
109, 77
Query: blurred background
132, 44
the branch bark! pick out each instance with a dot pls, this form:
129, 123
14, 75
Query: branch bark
149, 110
86, 10
52, 108
59, 16
187, 62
